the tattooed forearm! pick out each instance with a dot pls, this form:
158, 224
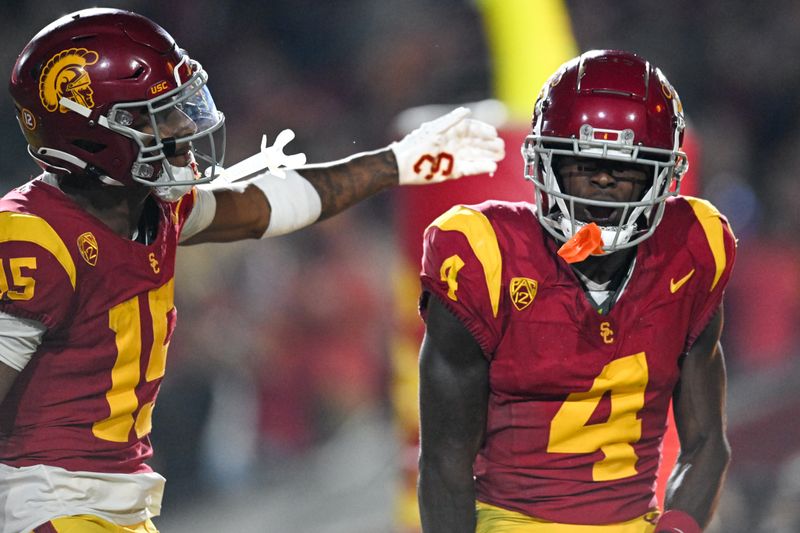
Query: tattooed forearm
343, 184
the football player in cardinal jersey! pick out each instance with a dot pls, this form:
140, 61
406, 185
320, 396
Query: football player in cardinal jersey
123, 124
558, 331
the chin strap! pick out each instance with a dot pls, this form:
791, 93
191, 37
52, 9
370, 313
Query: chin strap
171, 174
172, 193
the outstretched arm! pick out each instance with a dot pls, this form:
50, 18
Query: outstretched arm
344, 184
454, 385
446, 148
699, 402
244, 210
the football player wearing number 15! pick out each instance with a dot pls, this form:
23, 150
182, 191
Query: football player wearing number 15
557, 332
121, 121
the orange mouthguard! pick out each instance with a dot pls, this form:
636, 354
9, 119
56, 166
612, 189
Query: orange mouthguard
588, 241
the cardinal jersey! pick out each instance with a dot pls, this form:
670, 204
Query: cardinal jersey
578, 400
85, 399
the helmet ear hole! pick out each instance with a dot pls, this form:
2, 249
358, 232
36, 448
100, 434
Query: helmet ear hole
136, 74
89, 146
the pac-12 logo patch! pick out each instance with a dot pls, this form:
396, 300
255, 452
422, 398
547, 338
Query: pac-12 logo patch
87, 245
523, 291
65, 75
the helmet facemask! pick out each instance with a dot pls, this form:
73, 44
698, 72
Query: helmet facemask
556, 209
189, 114
612, 108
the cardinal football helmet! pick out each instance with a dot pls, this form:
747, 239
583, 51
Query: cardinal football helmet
614, 106
96, 91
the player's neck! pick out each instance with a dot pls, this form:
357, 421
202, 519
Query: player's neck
603, 268
119, 208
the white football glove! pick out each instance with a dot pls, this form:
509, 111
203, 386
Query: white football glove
271, 158
447, 148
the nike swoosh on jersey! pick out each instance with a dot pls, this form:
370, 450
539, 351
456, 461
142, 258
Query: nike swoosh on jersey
675, 285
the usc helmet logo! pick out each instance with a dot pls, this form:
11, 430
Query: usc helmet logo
65, 75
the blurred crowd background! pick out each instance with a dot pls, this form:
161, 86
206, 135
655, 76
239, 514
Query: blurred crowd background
275, 414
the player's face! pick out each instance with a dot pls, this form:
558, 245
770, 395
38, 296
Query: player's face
171, 124
602, 180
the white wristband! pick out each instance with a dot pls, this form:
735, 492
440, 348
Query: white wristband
294, 202
202, 214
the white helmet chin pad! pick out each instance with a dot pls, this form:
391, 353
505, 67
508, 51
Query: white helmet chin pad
613, 236
172, 174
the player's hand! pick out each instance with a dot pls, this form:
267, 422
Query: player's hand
447, 148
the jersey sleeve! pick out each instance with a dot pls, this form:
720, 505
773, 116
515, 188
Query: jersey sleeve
714, 245
37, 273
462, 266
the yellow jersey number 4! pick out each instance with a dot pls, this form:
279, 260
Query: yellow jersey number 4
570, 432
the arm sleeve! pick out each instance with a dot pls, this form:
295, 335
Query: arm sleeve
19, 339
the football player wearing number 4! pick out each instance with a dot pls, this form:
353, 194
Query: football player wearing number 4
117, 116
558, 332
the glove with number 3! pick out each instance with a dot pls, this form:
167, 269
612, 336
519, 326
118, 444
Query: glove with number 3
447, 148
